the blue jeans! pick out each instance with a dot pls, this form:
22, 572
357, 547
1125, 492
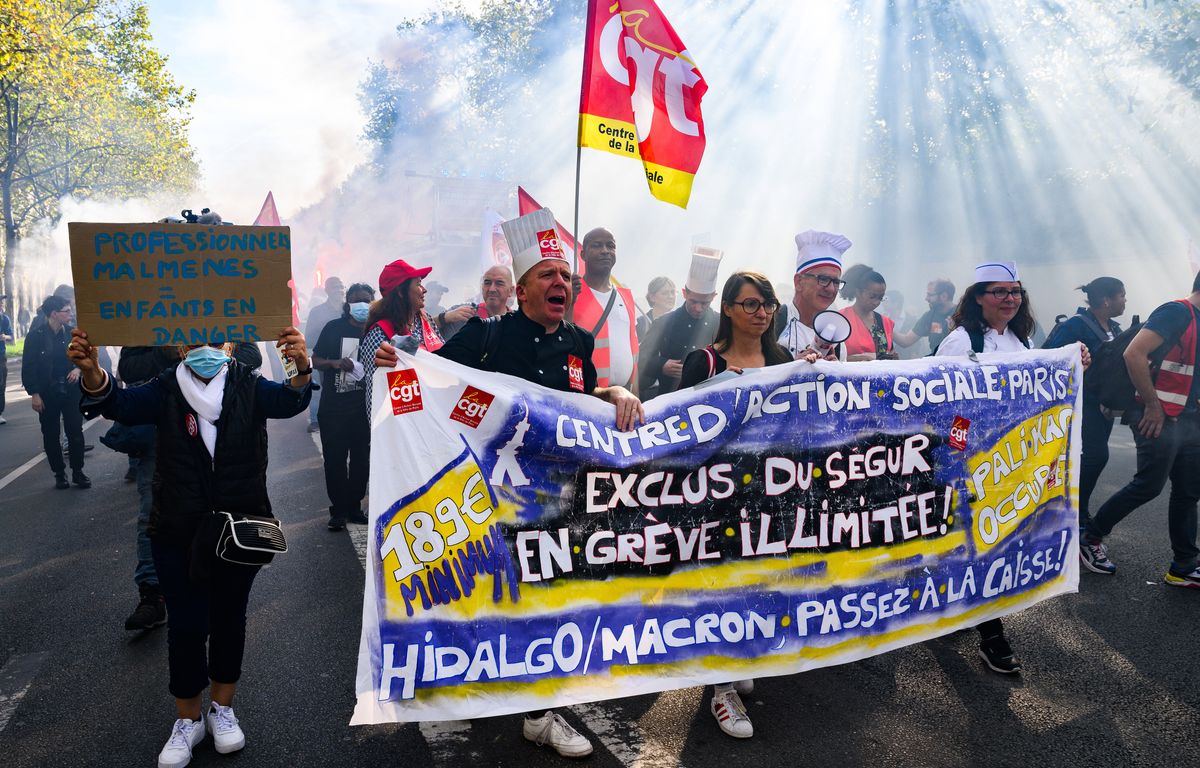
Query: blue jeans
144, 574
1095, 429
313, 404
1173, 455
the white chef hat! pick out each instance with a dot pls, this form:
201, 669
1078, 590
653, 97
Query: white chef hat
997, 272
819, 249
702, 274
531, 238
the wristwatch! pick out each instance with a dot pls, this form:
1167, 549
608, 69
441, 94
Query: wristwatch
306, 372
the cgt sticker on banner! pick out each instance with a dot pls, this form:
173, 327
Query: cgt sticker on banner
472, 407
524, 554
404, 391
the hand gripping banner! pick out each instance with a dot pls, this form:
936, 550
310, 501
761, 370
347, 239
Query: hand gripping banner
641, 95
523, 554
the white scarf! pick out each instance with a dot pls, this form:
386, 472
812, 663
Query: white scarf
205, 400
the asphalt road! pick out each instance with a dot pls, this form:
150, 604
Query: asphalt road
1110, 674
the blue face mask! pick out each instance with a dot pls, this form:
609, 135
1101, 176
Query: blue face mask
359, 311
206, 362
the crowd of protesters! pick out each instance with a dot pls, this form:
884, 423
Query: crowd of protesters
202, 410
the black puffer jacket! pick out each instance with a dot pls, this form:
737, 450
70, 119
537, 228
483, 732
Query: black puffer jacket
188, 482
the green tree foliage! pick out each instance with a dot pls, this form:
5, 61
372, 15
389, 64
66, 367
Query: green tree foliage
88, 110
463, 76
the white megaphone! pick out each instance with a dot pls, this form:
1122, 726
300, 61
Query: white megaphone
832, 328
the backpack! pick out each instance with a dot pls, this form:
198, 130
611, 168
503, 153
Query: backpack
491, 338
977, 341
1086, 318
1107, 378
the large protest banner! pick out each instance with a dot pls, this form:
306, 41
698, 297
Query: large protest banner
160, 284
523, 554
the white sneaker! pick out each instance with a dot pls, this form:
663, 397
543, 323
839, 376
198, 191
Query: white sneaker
3, 420
552, 731
744, 687
184, 737
731, 715
227, 734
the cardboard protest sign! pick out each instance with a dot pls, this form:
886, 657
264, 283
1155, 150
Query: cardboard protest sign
162, 284
524, 554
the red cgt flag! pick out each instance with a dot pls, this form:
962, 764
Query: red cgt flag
641, 95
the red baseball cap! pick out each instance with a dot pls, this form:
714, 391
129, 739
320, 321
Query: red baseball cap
396, 273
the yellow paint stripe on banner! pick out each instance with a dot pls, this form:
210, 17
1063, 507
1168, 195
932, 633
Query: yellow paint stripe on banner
843, 568
616, 136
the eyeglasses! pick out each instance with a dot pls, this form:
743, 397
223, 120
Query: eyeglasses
825, 281
1000, 294
750, 306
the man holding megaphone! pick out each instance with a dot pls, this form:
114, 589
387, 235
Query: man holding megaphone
807, 330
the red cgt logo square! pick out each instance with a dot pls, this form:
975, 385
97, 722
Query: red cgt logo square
472, 406
549, 245
958, 433
575, 373
404, 389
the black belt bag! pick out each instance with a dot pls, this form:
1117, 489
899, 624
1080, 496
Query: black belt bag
249, 540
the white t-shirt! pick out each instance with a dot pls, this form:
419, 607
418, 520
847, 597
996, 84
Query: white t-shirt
958, 343
797, 336
620, 350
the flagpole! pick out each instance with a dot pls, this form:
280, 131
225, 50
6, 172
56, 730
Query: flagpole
575, 229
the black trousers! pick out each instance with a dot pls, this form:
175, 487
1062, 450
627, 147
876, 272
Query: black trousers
62, 406
3, 378
346, 446
206, 623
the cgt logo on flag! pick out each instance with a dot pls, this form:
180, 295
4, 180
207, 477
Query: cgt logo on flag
641, 95
472, 407
958, 433
549, 245
404, 389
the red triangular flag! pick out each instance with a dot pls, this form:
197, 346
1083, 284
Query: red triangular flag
268, 216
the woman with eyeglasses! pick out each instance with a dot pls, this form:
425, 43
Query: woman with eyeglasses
744, 340
994, 315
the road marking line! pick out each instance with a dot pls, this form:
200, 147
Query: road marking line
15, 678
358, 537
447, 739
11, 476
627, 740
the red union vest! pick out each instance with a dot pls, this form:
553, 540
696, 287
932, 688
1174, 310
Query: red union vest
431, 340
1173, 382
587, 314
